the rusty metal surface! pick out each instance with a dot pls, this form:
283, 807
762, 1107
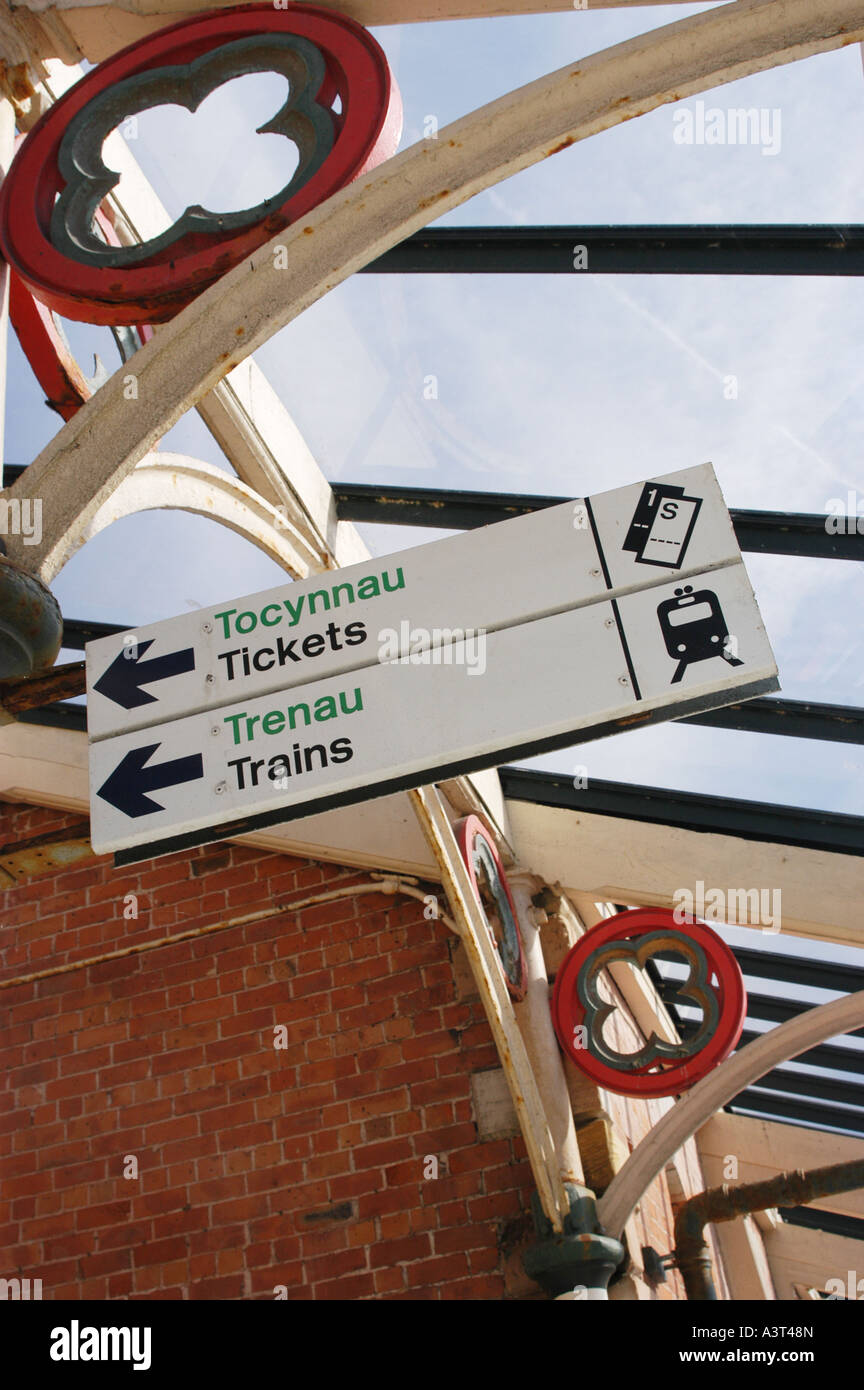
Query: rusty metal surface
43, 854
31, 626
794, 1188
43, 340
44, 344
60, 683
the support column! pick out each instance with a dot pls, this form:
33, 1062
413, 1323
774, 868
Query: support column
574, 1266
535, 1024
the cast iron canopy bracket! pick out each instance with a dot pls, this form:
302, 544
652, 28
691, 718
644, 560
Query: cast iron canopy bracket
581, 1257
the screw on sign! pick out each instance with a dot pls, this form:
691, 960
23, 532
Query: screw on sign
58, 179
714, 984
489, 882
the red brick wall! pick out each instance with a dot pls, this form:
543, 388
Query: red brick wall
257, 1167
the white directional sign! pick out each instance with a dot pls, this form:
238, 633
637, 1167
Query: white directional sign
684, 642
498, 576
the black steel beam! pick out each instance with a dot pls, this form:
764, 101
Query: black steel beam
803, 534
447, 509
835, 1223
791, 970
836, 832
713, 249
766, 1009
799, 533
78, 631
768, 533
798, 1111
761, 1006
57, 716
824, 1088
792, 718
828, 1056
800, 970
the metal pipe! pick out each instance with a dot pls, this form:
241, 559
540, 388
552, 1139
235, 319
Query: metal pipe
59, 683
389, 884
691, 1255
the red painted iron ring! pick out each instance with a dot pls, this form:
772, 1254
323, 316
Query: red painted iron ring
66, 389
477, 847
153, 291
657, 1078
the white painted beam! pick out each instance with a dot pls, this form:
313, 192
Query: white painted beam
764, 1148
745, 1262
174, 481
97, 31
256, 432
243, 413
614, 860
49, 767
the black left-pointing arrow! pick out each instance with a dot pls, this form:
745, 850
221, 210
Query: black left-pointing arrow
127, 673
127, 787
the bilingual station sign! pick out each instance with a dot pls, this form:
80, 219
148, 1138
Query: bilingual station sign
609, 612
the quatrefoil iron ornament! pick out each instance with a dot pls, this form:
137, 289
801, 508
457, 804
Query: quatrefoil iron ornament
714, 983
59, 179
492, 890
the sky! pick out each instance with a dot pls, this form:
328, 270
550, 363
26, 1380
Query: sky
559, 385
